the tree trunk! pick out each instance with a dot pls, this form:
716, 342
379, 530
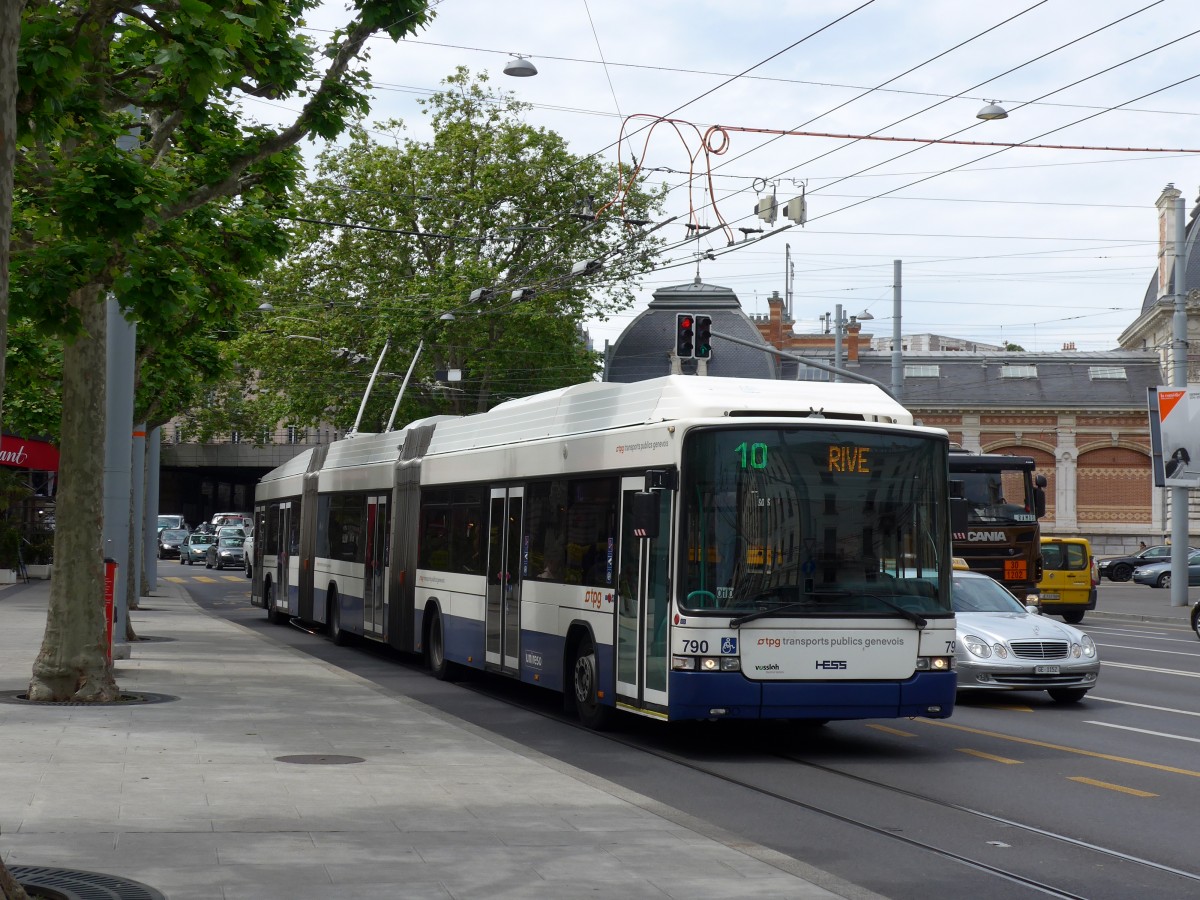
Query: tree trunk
9, 888
10, 36
73, 662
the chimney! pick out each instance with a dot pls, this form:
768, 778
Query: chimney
778, 314
1166, 238
852, 330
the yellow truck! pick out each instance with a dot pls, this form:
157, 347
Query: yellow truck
1069, 578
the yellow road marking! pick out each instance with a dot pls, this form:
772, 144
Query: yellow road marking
236, 579
992, 757
1112, 787
895, 731
205, 579
173, 578
1076, 750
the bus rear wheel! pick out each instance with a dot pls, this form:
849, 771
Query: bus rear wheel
273, 616
435, 651
585, 687
336, 634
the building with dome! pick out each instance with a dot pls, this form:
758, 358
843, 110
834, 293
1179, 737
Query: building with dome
1081, 415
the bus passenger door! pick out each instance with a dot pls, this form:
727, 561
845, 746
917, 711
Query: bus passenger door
283, 532
502, 619
375, 564
643, 651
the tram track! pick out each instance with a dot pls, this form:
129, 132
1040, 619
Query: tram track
532, 701
1106, 855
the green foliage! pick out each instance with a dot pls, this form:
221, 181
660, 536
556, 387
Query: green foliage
487, 203
1009, 345
137, 170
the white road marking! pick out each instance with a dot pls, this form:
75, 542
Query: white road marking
1178, 737
1168, 709
1151, 669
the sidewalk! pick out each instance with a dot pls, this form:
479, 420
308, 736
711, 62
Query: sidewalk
188, 797
1148, 605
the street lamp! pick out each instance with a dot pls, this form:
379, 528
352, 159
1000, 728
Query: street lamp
519, 67
991, 112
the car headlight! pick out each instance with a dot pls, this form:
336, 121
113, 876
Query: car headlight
977, 646
1089, 647
1000, 650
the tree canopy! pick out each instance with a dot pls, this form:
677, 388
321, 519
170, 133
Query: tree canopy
394, 233
139, 175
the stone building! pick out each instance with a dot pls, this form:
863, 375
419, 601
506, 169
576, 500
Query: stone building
1081, 415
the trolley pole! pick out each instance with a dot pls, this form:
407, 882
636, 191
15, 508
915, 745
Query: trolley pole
1179, 495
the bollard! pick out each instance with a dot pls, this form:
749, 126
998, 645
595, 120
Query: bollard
110, 582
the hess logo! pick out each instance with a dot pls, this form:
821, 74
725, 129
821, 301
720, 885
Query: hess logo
831, 664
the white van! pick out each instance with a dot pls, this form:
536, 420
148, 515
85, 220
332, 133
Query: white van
245, 520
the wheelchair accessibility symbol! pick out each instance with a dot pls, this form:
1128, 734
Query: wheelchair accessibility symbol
729, 645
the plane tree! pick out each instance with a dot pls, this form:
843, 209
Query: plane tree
490, 242
139, 175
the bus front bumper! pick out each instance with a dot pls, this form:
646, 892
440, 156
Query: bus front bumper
730, 695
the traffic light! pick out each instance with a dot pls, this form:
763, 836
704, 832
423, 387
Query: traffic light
703, 337
685, 331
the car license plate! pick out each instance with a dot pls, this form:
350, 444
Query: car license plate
1049, 596
1045, 670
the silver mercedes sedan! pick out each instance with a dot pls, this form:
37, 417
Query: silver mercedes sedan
1004, 646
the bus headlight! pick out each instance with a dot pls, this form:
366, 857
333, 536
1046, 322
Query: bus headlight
706, 663
934, 663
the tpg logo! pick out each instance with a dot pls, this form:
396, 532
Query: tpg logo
831, 664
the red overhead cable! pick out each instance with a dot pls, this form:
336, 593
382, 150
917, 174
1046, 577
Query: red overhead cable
723, 131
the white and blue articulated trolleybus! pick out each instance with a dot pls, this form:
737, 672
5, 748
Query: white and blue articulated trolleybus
682, 548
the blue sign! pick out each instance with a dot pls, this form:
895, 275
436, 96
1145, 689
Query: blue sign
729, 645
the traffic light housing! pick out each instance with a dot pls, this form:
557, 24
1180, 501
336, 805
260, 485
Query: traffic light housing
685, 333
703, 337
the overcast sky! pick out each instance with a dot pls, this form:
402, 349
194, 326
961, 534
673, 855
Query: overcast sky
1035, 246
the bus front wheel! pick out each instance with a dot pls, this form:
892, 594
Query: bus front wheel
585, 684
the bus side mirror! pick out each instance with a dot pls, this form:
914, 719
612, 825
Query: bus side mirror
645, 514
1039, 496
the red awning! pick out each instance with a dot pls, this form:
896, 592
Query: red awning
23, 453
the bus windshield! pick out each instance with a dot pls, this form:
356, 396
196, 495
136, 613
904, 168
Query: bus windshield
814, 521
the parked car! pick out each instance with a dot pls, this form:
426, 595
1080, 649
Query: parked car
225, 551
1069, 578
169, 540
1120, 568
195, 548
248, 551
1003, 646
1159, 574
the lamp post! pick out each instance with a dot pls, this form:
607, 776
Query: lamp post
840, 325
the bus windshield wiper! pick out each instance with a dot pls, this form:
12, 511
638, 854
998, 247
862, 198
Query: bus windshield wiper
916, 618
738, 621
